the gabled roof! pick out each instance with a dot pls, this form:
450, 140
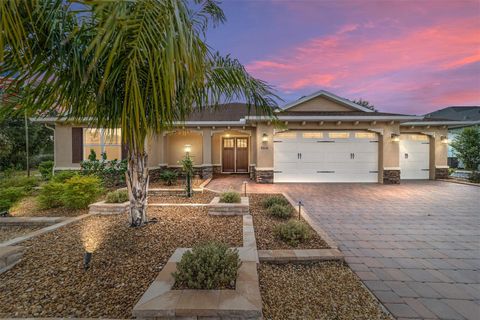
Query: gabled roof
461, 113
330, 96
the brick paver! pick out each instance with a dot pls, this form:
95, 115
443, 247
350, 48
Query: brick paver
415, 245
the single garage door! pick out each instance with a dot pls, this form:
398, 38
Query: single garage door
414, 156
325, 156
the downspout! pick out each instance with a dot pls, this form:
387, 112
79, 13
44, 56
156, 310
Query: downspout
54, 160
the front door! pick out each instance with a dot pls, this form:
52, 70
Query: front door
234, 155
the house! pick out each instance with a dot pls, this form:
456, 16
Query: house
321, 138
456, 113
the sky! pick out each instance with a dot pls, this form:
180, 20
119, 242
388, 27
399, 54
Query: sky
409, 57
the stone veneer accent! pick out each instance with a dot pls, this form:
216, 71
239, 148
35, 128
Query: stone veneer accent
391, 176
441, 173
218, 208
264, 176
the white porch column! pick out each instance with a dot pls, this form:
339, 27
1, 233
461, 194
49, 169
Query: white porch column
207, 147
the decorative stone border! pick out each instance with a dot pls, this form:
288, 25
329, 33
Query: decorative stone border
30, 221
105, 208
467, 183
299, 256
244, 302
218, 208
10, 256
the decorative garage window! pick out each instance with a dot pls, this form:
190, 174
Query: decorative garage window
102, 140
365, 135
339, 135
241, 143
416, 137
312, 135
228, 143
286, 135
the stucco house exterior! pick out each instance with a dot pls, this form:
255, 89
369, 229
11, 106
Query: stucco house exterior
321, 138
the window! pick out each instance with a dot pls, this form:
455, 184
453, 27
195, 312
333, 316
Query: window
286, 135
365, 135
312, 135
228, 143
241, 143
102, 140
339, 135
416, 137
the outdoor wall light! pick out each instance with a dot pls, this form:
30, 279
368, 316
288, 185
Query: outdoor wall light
395, 137
264, 137
188, 148
227, 135
86, 260
444, 139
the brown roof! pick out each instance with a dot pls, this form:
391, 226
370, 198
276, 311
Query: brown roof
337, 113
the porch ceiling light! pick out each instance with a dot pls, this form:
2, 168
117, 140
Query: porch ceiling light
264, 137
395, 137
444, 139
188, 148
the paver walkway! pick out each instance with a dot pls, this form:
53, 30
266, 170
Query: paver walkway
416, 246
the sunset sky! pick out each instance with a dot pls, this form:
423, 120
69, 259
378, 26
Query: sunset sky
403, 56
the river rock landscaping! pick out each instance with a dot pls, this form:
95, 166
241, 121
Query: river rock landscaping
324, 290
10, 232
197, 197
50, 280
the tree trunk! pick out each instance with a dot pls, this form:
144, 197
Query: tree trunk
137, 179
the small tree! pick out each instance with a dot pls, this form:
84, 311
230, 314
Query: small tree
187, 167
365, 103
466, 146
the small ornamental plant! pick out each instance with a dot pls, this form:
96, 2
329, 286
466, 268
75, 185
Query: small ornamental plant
230, 197
270, 201
280, 211
293, 232
80, 191
117, 196
208, 266
169, 177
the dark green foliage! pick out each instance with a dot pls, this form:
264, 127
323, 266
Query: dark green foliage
230, 197
51, 195
208, 266
270, 201
13, 187
80, 191
280, 211
169, 177
466, 146
46, 169
475, 177
112, 172
9, 196
187, 168
293, 232
24, 182
117, 196
62, 176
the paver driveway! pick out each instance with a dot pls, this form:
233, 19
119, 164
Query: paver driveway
416, 246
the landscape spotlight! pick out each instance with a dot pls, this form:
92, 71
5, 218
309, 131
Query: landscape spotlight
86, 260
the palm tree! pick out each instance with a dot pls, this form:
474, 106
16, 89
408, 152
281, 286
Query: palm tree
141, 66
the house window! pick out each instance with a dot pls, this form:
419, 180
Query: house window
228, 143
286, 135
416, 137
312, 135
339, 135
241, 142
365, 135
102, 140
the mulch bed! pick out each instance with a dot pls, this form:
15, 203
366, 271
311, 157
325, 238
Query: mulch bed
265, 224
327, 290
50, 280
28, 207
10, 232
198, 197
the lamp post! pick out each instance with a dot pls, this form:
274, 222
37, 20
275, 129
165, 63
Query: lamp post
188, 173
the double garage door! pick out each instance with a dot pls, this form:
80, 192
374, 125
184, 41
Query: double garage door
325, 156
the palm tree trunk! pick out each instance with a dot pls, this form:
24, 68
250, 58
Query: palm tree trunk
137, 179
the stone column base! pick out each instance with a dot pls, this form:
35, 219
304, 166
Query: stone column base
217, 169
391, 176
441, 173
206, 172
264, 176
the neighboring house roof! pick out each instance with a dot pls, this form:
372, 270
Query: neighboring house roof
460, 113
330, 96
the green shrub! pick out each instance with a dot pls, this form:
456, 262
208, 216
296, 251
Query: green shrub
208, 266
9, 196
51, 195
230, 197
62, 176
475, 177
27, 183
293, 232
117, 196
270, 201
169, 177
112, 172
46, 169
80, 191
280, 211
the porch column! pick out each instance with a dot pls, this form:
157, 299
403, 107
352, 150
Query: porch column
207, 168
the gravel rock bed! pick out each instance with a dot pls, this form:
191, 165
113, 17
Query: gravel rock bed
265, 225
328, 290
10, 232
50, 280
28, 207
198, 197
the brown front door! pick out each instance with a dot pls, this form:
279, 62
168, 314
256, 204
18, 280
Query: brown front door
235, 155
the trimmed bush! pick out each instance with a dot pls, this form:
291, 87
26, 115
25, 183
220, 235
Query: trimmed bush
46, 169
10, 196
293, 232
230, 197
270, 201
117, 196
208, 266
51, 195
24, 182
63, 176
280, 211
475, 177
169, 177
80, 191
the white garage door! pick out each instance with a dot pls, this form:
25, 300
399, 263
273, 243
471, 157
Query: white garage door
325, 156
414, 156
